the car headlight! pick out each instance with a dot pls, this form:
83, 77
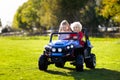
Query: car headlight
59, 50
53, 49
71, 46
68, 47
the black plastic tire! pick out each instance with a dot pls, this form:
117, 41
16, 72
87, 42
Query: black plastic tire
91, 62
43, 63
79, 63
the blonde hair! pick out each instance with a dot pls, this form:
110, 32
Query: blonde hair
74, 24
64, 22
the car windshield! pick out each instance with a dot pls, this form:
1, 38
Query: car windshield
62, 36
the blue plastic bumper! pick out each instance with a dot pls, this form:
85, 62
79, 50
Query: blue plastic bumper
56, 54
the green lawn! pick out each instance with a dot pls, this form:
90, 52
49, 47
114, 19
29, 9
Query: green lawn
19, 59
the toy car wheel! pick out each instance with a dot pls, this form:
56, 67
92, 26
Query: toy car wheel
79, 63
42, 63
60, 64
91, 62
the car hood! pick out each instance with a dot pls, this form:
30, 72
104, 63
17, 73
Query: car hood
63, 43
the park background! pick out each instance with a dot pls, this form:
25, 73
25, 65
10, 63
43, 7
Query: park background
101, 17
22, 42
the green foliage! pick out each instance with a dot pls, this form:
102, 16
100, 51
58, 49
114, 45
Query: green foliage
110, 9
70, 9
46, 14
88, 16
26, 16
19, 60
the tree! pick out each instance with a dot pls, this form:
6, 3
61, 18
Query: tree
70, 9
110, 9
88, 15
26, 16
37, 13
48, 13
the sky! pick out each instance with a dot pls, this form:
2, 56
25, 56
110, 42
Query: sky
8, 9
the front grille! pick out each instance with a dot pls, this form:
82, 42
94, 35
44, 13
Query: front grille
64, 51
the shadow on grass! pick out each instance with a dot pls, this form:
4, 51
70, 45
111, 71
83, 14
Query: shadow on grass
96, 74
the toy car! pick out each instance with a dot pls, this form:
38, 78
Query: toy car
60, 51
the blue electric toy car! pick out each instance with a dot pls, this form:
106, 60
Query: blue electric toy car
60, 51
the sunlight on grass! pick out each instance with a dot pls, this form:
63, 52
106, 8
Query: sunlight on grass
19, 60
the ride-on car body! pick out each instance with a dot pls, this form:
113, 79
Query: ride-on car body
60, 51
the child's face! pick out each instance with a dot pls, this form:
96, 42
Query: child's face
65, 28
76, 29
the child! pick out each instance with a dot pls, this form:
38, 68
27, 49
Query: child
64, 27
77, 27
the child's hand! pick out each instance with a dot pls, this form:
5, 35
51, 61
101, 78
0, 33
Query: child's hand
75, 37
68, 36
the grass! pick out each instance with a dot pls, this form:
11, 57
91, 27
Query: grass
19, 59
